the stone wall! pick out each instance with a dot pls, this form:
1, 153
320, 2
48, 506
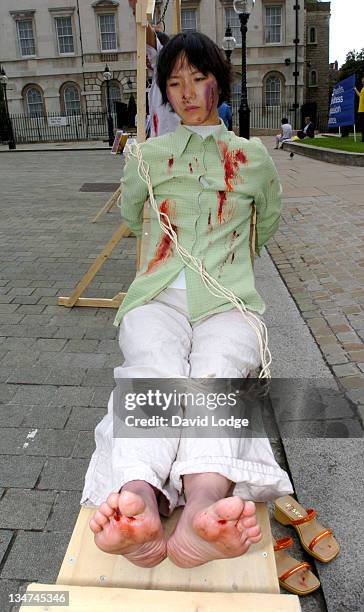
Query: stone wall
317, 54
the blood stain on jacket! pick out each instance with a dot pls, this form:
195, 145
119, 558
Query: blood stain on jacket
232, 159
165, 245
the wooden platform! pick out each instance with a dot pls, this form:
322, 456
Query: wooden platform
85, 564
100, 582
99, 599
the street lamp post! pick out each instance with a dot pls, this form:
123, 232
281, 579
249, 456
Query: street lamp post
228, 43
243, 8
3, 81
110, 123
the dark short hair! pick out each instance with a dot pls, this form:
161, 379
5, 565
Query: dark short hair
200, 52
284, 120
162, 37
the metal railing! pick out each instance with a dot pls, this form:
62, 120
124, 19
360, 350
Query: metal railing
55, 127
264, 117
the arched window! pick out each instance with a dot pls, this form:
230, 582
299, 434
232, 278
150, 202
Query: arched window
34, 101
313, 78
72, 100
236, 92
114, 92
312, 35
273, 91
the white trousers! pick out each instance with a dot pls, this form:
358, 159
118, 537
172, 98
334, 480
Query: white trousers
158, 341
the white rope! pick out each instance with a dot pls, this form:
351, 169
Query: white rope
195, 264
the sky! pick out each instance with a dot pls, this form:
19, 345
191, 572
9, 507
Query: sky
346, 28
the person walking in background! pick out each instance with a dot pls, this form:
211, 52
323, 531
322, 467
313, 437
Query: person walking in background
285, 133
360, 94
226, 115
308, 131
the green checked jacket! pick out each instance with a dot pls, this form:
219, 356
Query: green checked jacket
207, 187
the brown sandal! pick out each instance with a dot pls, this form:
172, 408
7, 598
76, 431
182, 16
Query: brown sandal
315, 539
294, 576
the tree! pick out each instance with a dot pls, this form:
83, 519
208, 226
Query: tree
354, 63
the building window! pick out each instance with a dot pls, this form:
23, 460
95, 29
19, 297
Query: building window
189, 20
108, 32
273, 24
64, 35
312, 35
273, 91
72, 101
232, 19
26, 37
115, 95
236, 92
34, 102
313, 78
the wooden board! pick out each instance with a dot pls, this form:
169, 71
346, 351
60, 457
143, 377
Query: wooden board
141, 22
73, 299
99, 599
176, 24
254, 572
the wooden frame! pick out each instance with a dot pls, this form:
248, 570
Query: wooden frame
108, 206
144, 12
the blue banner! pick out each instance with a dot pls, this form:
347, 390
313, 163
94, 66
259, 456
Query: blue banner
342, 103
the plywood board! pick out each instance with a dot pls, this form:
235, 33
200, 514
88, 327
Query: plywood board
85, 564
99, 599
176, 27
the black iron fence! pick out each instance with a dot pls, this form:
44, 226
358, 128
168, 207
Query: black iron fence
53, 127
264, 117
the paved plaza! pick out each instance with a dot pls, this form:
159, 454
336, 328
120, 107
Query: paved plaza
56, 364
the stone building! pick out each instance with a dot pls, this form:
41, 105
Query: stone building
317, 79
54, 51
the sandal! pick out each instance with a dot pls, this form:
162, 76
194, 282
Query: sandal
315, 539
294, 576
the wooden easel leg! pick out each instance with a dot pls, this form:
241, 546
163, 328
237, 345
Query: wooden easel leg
108, 206
92, 271
177, 17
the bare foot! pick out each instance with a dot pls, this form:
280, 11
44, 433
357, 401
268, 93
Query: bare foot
128, 524
206, 531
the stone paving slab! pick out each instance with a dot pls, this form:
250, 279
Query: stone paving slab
35, 557
339, 500
25, 509
56, 363
318, 251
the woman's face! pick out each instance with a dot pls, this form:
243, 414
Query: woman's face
192, 95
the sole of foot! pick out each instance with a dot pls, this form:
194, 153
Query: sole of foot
222, 530
128, 524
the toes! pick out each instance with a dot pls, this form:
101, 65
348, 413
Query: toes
229, 508
255, 539
248, 521
106, 509
95, 527
253, 532
100, 518
113, 502
249, 509
131, 504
